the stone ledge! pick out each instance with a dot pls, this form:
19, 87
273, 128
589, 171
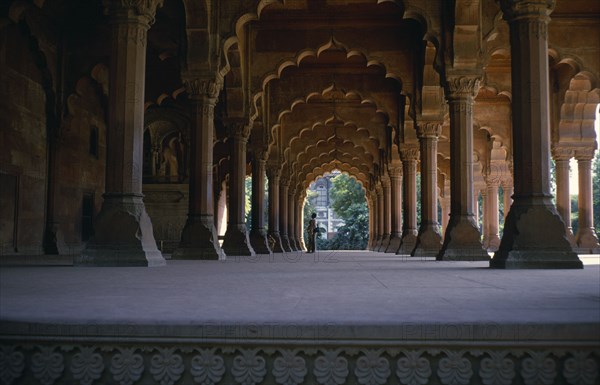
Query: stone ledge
76, 361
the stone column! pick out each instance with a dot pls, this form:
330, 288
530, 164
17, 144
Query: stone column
562, 156
445, 204
429, 240
587, 241
485, 217
372, 224
462, 238
199, 239
493, 223
258, 235
300, 222
292, 219
387, 212
508, 193
409, 156
395, 172
284, 186
534, 234
236, 241
379, 216
274, 175
123, 231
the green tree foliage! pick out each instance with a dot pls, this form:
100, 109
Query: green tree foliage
349, 204
596, 191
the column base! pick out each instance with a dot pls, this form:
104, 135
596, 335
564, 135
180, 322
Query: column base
275, 243
236, 241
385, 241
54, 242
461, 242
534, 238
259, 241
587, 241
293, 245
285, 243
199, 240
122, 235
394, 244
409, 241
429, 242
376, 243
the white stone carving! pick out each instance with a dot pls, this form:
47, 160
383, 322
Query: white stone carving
12, 364
581, 369
249, 368
87, 366
207, 367
413, 369
330, 369
47, 365
538, 368
454, 369
127, 366
289, 369
372, 369
497, 369
166, 366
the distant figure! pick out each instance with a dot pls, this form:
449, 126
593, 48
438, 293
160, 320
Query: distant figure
312, 233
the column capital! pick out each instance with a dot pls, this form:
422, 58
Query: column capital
585, 153
429, 129
122, 10
273, 172
459, 86
208, 88
239, 129
385, 181
284, 181
395, 171
527, 9
561, 152
409, 153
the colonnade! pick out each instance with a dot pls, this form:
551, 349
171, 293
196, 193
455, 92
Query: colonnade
534, 233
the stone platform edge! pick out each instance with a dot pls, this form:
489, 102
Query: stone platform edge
299, 354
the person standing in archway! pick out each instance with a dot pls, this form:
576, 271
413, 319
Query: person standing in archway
312, 232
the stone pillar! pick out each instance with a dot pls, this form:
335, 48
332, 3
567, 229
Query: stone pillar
534, 234
123, 231
462, 238
508, 193
493, 222
562, 156
379, 216
258, 235
387, 212
292, 219
409, 156
284, 186
274, 174
396, 208
372, 224
199, 239
445, 204
300, 222
485, 217
587, 241
429, 240
236, 241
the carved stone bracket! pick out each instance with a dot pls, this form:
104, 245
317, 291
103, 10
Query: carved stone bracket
585, 153
561, 152
525, 9
462, 86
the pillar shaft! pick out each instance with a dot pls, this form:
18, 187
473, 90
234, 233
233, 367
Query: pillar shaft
562, 156
429, 240
462, 237
236, 240
396, 209
123, 231
534, 234
283, 213
258, 235
274, 175
380, 216
493, 222
508, 193
586, 238
199, 238
387, 213
409, 156
292, 219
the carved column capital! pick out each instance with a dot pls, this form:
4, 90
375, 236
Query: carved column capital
395, 171
462, 86
240, 130
273, 172
525, 9
284, 181
561, 152
429, 129
409, 153
385, 181
585, 153
198, 88
126, 9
